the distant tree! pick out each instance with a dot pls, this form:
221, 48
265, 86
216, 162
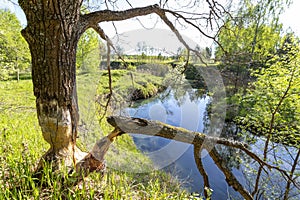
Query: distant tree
119, 50
141, 47
88, 53
179, 52
14, 51
194, 57
159, 56
208, 52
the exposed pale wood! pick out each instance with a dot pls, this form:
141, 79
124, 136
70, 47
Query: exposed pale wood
156, 128
94, 160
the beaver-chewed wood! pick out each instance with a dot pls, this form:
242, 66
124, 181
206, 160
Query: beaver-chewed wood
157, 128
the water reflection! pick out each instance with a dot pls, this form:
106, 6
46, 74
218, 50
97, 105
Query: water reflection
187, 109
190, 111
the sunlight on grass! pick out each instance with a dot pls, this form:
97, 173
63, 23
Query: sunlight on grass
22, 145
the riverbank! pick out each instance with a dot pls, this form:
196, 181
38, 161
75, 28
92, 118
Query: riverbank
22, 146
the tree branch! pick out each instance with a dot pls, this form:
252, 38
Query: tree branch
288, 185
198, 161
91, 19
230, 178
156, 128
150, 127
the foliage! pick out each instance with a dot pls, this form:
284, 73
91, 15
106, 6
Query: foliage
14, 52
248, 41
275, 94
193, 74
88, 51
237, 41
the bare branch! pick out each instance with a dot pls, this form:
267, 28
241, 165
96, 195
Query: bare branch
288, 185
176, 14
102, 34
148, 127
230, 178
197, 157
89, 20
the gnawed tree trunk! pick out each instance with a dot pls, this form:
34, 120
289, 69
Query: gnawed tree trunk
52, 34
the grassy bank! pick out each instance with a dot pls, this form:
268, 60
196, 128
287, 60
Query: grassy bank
22, 145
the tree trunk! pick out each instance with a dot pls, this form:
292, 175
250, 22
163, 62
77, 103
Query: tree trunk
52, 35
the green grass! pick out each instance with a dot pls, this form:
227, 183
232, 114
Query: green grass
22, 146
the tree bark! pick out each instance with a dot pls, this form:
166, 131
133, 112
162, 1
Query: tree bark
52, 35
52, 32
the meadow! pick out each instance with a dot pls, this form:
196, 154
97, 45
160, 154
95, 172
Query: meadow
22, 146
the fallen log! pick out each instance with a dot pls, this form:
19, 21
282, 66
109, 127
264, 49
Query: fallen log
156, 128
95, 159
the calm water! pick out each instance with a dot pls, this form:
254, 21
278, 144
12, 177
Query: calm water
187, 110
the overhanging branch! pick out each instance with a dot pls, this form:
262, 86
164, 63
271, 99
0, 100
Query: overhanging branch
94, 160
156, 128
91, 19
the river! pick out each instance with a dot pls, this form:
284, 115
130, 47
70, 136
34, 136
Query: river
188, 110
